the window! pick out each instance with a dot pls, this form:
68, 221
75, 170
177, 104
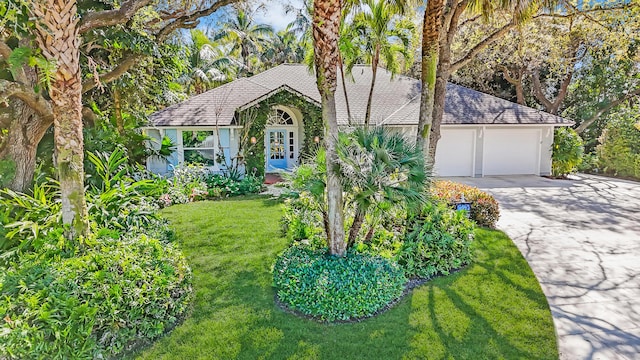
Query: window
291, 149
279, 117
199, 147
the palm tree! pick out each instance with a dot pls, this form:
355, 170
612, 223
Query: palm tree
208, 66
431, 27
326, 31
284, 48
57, 36
386, 38
245, 36
380, 168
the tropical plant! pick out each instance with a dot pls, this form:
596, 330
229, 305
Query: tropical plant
115, 295
379, 169
208, 66
283, 48
386, 36
438, 241
567, 152
245, 36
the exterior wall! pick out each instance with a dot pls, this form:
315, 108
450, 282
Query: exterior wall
544, 138
229, 139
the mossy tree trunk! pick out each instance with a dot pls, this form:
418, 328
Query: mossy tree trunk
57, 36
431, 27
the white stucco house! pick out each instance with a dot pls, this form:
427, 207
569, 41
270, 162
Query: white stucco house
481, 134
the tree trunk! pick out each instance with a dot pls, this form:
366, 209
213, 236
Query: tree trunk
431, 26
24, 134
57, 36
337, 245
344, 89
117, 109
326, 24
374, 70
440, 95
358, 220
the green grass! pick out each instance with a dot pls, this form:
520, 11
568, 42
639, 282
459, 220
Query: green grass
493, 309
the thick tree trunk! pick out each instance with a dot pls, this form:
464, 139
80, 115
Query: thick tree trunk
337, 245
431, 27
25, 131
326, 24
57, 36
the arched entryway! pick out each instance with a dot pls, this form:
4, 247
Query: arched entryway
281, 139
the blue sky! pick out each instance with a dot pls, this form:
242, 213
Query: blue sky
271, 12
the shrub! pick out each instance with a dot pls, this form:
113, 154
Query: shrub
619, 149
99, 303
227, 186
438, 241
567, 152
484, 208
336, 288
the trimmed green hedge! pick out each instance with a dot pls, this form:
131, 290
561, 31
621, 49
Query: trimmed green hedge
99, 303
336, 288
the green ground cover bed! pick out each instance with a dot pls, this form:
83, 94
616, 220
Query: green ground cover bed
492, 309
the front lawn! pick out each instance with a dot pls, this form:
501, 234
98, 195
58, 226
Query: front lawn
493, 309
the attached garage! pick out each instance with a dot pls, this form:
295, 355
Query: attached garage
455, 154
512, 151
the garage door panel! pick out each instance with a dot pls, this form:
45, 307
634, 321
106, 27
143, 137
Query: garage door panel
455, 153
511, 152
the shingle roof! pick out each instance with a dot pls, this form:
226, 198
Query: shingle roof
396, 101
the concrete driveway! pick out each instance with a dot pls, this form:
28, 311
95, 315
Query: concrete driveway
581, 237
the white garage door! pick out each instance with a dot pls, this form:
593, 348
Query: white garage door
511, 152
455, 153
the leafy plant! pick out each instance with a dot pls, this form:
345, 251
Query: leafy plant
438, 241
27, 219
619, 149
567, 152
96, 304
484, 208
336, 288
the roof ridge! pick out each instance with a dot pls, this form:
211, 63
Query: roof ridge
398, 109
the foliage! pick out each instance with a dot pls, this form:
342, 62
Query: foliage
118, 294
567, 152
254, 153
492, 309
619, 149
379, 170
484, 208
29, 221
224, 186
336, 288
119, 202
438, 241
7, 171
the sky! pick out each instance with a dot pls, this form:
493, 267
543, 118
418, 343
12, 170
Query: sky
271, 12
